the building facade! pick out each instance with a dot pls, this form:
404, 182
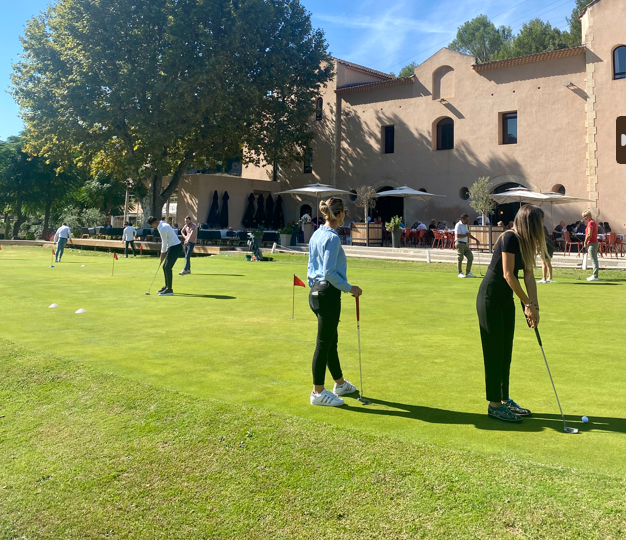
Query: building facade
546, 122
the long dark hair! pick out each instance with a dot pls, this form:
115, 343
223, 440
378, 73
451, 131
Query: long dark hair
528, 227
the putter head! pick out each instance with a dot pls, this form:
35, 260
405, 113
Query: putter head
147, 294
570, 430
363, 400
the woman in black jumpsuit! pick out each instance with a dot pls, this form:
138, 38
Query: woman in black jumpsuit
515, 250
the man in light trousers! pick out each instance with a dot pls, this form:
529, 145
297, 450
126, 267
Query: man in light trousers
591, 243
462, 238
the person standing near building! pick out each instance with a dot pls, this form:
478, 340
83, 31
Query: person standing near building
190, 234
129, 238
591, 243
327, 278
61, 237
462, 238
171, 249
515, 250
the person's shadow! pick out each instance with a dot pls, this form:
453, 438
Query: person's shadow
536, 422
214, 296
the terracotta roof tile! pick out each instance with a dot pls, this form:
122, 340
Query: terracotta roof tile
530, 59
400, 81
364, 69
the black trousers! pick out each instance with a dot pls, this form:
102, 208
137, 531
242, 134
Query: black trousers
325, 301
170, 259
130, 243
496, 316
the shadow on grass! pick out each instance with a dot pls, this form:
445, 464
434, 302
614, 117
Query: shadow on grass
229, 275
537, 422
214, 296
597, 284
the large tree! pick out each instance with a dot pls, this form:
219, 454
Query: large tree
535, 36
480, 38
146, 88
575, 35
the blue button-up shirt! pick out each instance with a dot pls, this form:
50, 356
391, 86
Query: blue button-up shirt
327, 260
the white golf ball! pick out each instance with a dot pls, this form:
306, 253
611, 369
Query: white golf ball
585, 419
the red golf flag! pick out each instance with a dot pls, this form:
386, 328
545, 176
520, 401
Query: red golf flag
297, 282
53, 253
115, 256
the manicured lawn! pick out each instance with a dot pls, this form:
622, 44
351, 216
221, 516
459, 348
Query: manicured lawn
423, 459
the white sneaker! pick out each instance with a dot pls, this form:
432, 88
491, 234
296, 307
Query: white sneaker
326, 398
469, 274
592, 278
346, 388
542, 281
550, 281
462, 275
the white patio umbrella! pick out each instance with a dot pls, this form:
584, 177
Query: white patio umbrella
407, 193
318, 190
521, 195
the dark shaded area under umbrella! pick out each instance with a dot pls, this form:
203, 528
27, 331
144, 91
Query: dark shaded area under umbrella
212, 220
259, 218
269, 212
248, 217
279, 216
224, 212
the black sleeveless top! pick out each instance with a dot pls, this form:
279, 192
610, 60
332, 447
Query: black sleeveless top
494, 278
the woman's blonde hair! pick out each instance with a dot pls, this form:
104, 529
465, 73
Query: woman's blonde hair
587, 213
331, 208
528, 227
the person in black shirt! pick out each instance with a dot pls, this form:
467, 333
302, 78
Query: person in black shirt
515, 250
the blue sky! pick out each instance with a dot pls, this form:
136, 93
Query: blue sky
381, 35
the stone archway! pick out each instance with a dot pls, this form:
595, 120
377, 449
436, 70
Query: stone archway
505, 212
387, 207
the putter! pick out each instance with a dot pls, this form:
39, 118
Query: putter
566, 429
358, 332
480, 266
155, 275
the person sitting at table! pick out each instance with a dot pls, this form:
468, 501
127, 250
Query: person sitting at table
601, 229
444, 226
421, 226
580, 227
509, 226
558, 231
500, 223
433, 225
607, 228
439, 226
378, 221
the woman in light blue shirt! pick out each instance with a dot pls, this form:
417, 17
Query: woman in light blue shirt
327, 279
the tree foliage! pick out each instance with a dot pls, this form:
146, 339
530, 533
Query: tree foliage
575, 34
480, 38
145, 89
480, 198
408, 70
535, 36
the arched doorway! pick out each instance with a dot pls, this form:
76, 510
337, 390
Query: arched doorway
505, 212
387, 207
306, 209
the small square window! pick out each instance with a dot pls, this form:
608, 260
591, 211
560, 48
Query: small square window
509, 128
388, 139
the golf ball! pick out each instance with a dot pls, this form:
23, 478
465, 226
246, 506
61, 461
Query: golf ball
585, 419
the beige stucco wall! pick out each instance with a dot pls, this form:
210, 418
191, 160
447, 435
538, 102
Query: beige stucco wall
605, 29
195, 196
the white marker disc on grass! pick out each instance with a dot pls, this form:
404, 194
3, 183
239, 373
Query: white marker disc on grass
81, 310
53, 305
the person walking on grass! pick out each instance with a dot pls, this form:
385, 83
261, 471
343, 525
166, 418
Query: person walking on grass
591, 243
61, 237
515, 250
327, 278
461, 243
190, 235
128, 236
171, 249
546, 262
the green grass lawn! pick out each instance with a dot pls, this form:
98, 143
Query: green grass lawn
422, 461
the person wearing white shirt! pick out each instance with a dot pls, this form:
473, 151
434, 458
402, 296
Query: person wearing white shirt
171, 250
128, 236
63, 234
421, 227
479, 219
462, 238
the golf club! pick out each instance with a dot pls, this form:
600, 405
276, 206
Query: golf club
155, 275
566, 429
358, 331
480, 266
580, 268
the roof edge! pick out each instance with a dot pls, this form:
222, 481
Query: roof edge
530, 58
363, 68
584, 10
399, 81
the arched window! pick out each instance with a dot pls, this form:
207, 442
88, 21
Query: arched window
445, 134
619, 63
319, 105
558, 188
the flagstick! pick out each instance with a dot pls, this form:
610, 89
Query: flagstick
293, 304
113, 267
52, 258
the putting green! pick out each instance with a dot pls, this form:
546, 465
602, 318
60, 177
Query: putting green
227, 335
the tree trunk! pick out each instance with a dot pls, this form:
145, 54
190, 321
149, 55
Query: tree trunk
20, 218
367, 227
275, 172
156, 199
46, 220
173, 185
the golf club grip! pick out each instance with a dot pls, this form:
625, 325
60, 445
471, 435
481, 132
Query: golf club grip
538, 337
358, 313
524, 312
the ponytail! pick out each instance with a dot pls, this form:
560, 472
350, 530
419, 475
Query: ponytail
331, 208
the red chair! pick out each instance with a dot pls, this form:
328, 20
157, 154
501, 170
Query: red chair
569, 244
420, 237
614, 244
439, 239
